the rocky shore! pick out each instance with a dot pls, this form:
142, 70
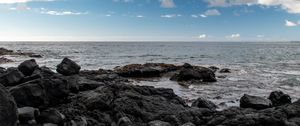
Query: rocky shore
33, 95
8, 52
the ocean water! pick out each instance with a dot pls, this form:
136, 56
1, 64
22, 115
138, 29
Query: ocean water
257, 68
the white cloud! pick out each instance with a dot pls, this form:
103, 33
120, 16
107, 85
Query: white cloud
170, 16
202, 15
194, 16
234, 36
20, 1
291, 6
140, 16
62, 13
212, 12
202, 36
290, 23
167, 3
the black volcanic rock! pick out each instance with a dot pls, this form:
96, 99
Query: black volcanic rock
11, 77
225, 70
278, 98
195, 73
27, 67
41, 93
255, 102
68, 67
204, 103
8, 108
51, 116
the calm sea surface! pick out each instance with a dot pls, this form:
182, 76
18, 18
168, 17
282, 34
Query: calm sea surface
258, 68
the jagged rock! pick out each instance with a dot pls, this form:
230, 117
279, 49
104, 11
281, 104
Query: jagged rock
51, 116
43, 72
68, 67
11, 77
204, 103
278, 98
27, 115
27, 67
255, 102
124, 121
214, 68
41, 92
186, 65
158, 123
8, 108
195, 73
79, 121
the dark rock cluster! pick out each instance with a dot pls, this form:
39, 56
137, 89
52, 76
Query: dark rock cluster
37, 96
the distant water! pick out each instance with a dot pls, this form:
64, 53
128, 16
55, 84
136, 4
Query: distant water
258, 68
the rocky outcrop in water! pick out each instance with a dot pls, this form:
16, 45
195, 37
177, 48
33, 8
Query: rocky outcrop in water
4, 51
68, 67
108, 98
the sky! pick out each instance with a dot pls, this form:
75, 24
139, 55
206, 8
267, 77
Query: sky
149, 20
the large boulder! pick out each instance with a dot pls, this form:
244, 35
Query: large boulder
68, 67
27, 67
204, 103
278, 98
255, 102
145, 70
41, 92
8, 108
11, 77
195, 73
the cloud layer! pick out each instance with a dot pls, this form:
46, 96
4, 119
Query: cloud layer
291, 6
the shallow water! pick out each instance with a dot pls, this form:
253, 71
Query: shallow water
258, 68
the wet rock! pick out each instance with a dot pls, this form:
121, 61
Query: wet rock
137, 70
68, 67
196, 73
27, 67
225, 70
2, 70
278, 98
35, 56
158, 123
204, 103
5, 60
11, 77
255, 102
8, 108
214, 68
124, 121
41, 93
27, 115
79, 84
4, 51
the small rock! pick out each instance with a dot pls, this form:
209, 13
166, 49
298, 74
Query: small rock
204, 103
197, 73
255, 102
158, 123
188, 124
278, 98
79, 121
214, 68
68, 67
12, 77
27, 67
51, 116
27, 114
225, 70
124, 121
8, 108
5, 60
35, 56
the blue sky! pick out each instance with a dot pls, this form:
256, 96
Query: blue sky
149, 20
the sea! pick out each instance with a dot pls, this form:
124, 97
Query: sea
257, 68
